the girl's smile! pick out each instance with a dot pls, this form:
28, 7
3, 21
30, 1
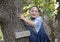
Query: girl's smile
34, 12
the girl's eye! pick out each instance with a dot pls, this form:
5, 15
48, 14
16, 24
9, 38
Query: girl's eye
32, 11
36, 11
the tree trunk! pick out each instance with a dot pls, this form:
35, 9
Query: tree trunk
58, 18
52, 31
9, 21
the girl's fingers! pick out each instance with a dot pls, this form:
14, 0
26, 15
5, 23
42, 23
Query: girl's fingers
19, 17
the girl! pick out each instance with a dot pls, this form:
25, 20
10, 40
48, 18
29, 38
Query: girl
35, 26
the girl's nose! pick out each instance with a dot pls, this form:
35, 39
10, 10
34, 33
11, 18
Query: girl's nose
33, 12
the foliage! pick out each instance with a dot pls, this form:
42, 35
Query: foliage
43, 5
1, 35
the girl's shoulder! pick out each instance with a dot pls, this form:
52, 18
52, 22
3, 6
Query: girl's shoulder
39, 18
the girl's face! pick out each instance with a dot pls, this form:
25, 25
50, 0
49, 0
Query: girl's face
34, 12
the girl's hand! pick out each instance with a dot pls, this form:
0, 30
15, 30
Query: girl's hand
21, 16
26, 20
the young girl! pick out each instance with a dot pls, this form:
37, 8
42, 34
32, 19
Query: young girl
35, 26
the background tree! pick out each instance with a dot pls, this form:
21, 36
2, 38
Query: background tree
58, 18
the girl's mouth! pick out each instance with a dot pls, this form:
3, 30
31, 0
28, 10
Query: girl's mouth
34, 14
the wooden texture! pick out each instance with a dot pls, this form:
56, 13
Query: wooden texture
22, 34
9, 21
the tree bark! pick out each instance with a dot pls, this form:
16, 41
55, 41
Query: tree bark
58, 18
9, 20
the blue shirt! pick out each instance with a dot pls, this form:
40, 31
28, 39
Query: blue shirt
37, 32
37, 23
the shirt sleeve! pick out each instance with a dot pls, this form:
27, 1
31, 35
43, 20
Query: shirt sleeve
37, 23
